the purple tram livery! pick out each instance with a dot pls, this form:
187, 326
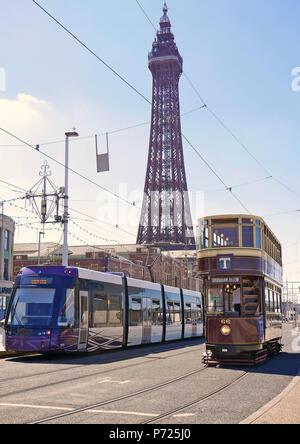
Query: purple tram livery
240, 261
64, 309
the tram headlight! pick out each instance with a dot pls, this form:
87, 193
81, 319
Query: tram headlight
225, 330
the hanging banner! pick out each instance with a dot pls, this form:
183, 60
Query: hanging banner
102, 159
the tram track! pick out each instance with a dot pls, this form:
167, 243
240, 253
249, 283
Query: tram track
161, 416
120, 398
197, 401
153, 388
208, 396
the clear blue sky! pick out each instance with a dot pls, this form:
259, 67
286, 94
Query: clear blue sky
238, 53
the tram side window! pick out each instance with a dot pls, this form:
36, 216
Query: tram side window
100, 312
135, 312
278, 303
258, 237
157, 316
188, 314
267, 299
170, 317
199, 313
115, 309
270, 301
273, 302
204, 237
173, 313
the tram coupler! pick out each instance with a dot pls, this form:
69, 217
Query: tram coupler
209, 359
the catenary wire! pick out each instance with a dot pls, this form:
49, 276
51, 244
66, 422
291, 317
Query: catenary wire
134, 89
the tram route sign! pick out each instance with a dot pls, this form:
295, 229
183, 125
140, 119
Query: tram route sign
225, 280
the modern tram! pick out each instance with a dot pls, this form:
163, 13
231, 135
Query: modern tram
240, 261
64, 309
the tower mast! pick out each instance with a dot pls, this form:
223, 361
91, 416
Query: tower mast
166, 216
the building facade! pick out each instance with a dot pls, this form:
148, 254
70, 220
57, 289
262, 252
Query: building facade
174, 268
7, 232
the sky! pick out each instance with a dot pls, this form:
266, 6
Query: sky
239, 54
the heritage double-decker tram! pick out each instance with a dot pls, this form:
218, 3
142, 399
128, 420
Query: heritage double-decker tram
240, 260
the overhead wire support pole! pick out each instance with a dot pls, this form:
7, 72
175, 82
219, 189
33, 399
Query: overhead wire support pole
65, 252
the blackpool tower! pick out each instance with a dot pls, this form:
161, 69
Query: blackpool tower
166, 216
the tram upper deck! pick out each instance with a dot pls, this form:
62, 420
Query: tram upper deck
239, 244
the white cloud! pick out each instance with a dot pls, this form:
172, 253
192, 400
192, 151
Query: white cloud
24, 114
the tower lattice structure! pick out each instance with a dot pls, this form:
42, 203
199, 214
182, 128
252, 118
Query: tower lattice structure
166, 216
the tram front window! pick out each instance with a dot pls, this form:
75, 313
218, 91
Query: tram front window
224, 299
66, 316
215, 302
32, 307
233, 300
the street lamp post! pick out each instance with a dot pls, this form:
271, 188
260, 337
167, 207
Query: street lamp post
41, 233
65, 252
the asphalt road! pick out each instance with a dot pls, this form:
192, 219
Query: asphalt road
168, 377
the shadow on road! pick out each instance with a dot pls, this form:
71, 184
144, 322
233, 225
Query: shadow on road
111, 356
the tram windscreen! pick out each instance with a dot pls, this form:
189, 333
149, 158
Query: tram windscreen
32, 307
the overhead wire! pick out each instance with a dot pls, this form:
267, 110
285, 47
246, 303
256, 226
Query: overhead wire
135, 90
36, 148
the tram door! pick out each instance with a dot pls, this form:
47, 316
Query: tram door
83, 320
147, 320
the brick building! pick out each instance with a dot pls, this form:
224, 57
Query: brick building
175, 268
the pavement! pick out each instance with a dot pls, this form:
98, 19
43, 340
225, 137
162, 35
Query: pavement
284, 408
286, 411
